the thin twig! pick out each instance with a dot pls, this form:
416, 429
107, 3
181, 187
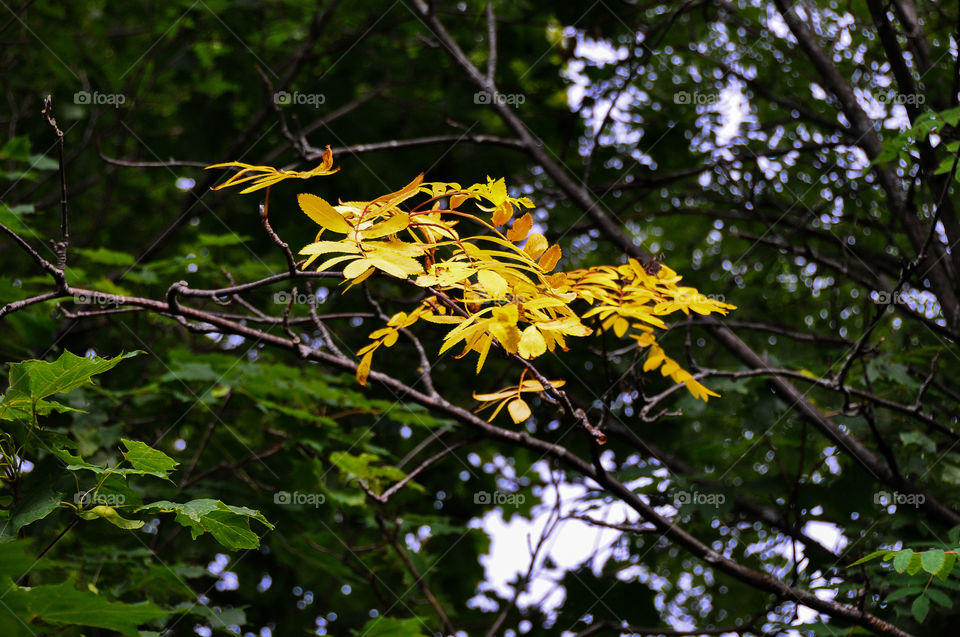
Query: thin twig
491, 43
62, 245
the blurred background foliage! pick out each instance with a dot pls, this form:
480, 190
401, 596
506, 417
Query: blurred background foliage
722, 152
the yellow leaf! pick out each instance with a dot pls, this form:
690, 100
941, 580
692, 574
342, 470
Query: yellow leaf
395, 264
323, 213
556, 280
520, 228
519, 410
356, 268
397, 247
369, 347
535, 385
383, 331
500, 395
670, 366
393, 225
654, 358
644, 340
698, 390
360, 279
568, 325
550, 258
329, 263
443, 318
495, 285
503, 326
497, 190
620, 327
323, 247
502, 214
398, 319
446, 274
463, 330
542, 302
363, 369
536, 245
386, 202
265, 176
497, 410
484, 350
532, 343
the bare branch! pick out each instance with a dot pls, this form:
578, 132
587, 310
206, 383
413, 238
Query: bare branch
62, 245
491, 43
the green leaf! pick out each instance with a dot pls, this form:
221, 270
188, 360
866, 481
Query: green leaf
951, 116
932, 560
12, 217
920, 608
900, 593
77, 463
948, 562
64, 604
390, 627
69, 371
36, 504
902, 560
950, 474
915, 565
920, 439
16, 149
954, 535
361, 467
229, 525
870, 556
939, 597
14, 560
104, 256
886, 367
945, 166
220, 240
34, 380
110, 514
20, 175
147, 459
42, 162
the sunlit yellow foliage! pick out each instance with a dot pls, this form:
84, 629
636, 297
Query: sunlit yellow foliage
266, 176
489, 276
511, 397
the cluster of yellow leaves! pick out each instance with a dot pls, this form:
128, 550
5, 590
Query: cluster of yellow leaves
386, 337
266, 176
511, 397
627, 298
494, 282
